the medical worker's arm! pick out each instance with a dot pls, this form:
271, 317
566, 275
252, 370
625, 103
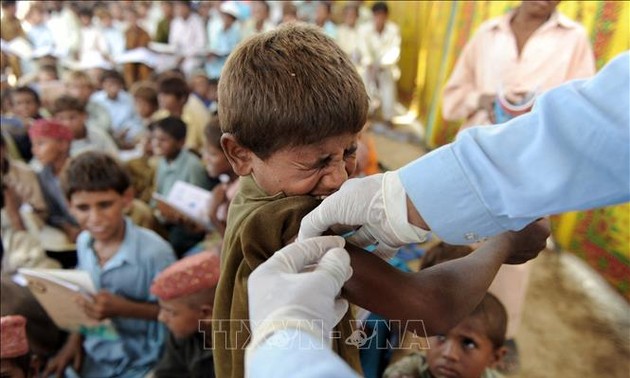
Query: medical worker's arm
571, 152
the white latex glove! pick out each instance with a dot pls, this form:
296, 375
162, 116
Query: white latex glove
282, 296
378, 204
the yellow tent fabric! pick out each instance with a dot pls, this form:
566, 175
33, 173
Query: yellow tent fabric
434, 32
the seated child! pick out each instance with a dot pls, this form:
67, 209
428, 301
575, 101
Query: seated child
126, 124
174, 99
71, 112
51, 146
25, 104
78, 84
177, 163
219, 167
290, 145
15, 359
186, 293
205, 89
146, 103
122, 260
471, 349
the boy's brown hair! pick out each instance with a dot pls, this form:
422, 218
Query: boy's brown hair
94, 171
173, 85
493, 315
146, 91
290, 87
78, 76
66, 103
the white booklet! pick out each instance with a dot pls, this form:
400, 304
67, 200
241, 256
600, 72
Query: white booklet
59, 292
186, 200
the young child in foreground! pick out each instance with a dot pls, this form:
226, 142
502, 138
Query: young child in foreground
469, 350
291, 106
186, 293
122, 260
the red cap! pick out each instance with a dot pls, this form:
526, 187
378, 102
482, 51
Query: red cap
187, 276
13, 336
50, 129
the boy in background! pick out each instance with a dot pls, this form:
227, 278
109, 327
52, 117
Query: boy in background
177, 163
122, 260
469, 350
51, 146
126, 125
70, 111
174, 99
186, 294
79, 85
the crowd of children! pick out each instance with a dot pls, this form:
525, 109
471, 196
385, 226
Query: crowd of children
87, 147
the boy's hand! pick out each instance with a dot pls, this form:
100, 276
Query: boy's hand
528, 242
104, 305
71, 353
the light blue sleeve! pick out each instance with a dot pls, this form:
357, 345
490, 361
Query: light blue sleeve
293, 353
571, 152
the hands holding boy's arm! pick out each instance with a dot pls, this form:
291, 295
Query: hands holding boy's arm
106, 305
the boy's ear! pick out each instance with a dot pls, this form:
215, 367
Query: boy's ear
239, 157
498, 354
127, 198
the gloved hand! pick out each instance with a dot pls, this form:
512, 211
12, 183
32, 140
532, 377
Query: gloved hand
282, 296
378, 204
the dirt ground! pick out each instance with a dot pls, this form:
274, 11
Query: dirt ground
574, 325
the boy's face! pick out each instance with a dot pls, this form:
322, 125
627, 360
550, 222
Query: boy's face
181, 318
112, 87
169, 102
465, 352
101, 213
200, 85
82, 91
73, 119
24, 105
47, 150
143, 108
165, 145
215, 161
317, 169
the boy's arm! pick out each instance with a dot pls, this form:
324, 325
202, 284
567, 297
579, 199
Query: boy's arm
107, 305
71, 353
441, 296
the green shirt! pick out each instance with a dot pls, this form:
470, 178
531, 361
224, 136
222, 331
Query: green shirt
185, 167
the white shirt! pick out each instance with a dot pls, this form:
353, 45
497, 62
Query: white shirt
187, 36
382, 49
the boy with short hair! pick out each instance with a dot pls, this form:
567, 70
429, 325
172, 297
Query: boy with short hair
177, 164
71, 112
25, 104
471, 349
122, 260
186, 294
51, 146
293, 144
145, 97
174, 97
79, 85
126, 125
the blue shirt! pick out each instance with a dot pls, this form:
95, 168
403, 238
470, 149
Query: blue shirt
129, 273
222, 42
571, 152
185, 167
122, 112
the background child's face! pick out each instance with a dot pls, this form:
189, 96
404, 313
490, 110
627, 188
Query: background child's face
317, 169
80, 90
24, 105
47, 150
200, 85
169, 102
215, 160
465, 352
101, 212
143, 108
112, 87
180, 318
73, 119
165, 145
